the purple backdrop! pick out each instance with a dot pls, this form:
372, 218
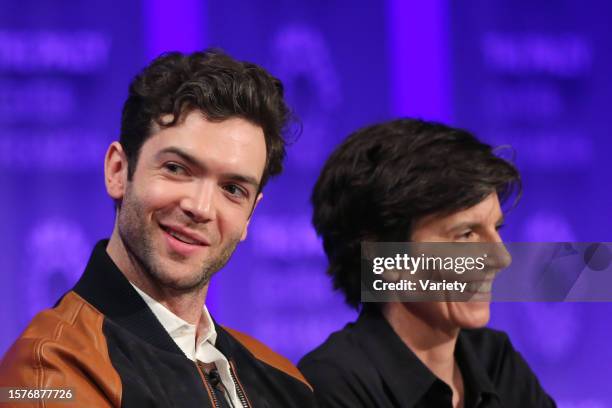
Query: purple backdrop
533, 75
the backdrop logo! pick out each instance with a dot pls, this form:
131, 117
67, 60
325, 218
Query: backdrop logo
56, 252
63, 51
304, 62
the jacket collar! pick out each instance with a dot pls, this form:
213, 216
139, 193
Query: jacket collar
107, 289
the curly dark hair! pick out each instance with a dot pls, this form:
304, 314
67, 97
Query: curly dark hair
384, 178
215, 84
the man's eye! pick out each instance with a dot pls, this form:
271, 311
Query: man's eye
467, 235
234, 190
174, 168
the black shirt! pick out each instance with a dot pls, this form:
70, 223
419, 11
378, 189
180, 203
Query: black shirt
367, 365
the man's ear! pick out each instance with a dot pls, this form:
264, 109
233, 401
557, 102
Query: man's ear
246, 227
115, 171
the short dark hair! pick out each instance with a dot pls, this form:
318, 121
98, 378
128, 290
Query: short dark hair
384, 178
214, 83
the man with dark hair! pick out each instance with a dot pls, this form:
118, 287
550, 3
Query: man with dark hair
200, 136
411, 180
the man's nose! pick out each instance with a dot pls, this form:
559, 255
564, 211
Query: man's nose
199, 202
498, 256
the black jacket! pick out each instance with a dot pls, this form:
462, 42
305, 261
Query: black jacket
104, 343
367, 365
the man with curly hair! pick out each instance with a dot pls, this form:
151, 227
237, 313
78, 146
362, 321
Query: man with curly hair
201, 134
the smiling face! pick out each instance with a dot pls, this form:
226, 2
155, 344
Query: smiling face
479, 223
189, 201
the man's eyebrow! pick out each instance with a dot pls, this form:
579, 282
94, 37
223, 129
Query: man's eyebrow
242, 179
473, 225
463, 225
197, 163
182, 154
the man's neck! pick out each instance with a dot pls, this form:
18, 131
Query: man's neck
186, 305
434, 346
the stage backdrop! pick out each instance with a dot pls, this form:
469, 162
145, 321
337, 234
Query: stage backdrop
534, 76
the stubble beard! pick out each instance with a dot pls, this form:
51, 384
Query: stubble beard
137, 238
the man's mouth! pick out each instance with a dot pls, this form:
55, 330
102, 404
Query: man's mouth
182, 236
480, 287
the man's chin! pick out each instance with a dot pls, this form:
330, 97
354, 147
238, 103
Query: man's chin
470, 315
185, 286
186, 281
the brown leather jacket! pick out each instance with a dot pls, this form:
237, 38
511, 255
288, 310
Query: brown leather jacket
104, 343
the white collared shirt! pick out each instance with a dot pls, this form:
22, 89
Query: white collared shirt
184, 335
